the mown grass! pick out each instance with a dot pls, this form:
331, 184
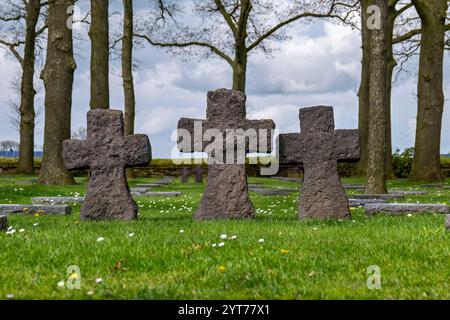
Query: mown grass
297, 260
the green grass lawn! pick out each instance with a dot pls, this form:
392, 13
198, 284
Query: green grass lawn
296, 260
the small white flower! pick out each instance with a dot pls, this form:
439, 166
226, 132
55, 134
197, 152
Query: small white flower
409, 215
99, 280
214, 245
35, 224
233, 237
22, 230
315, 228
12, 231
181, 231
261, 240
9, 296
223, 236
221, 244
131, 234
353, 221
61, 284
90, 293
9, 228
100, 239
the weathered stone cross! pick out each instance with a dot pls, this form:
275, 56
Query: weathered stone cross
226, 192
319, 148
107, 152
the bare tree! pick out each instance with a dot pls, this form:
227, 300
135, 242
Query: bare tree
232, 29
9, 145
378, 100
79, 134
99, 35
58, 80
427, 162
22, 32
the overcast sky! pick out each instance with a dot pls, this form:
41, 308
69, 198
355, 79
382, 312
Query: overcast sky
320, 65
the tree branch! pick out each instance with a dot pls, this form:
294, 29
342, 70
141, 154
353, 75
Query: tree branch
213, 49
226, 16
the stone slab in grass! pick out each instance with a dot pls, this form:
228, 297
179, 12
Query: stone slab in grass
389, 196
405, 208
151, 185
447, 222
363, 202
57, 200
409, 192
273, 192
162, 194
286, 179
435, 186
3, 223
139, 189
8, 209
353, 186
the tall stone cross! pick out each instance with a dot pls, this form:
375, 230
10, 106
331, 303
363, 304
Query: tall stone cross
107, 153
319, 148
226, 193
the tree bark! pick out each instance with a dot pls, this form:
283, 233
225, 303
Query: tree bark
27, 113
427, 163
363, 94
240, 70
127, 66
99, 35
377, 149
58, 81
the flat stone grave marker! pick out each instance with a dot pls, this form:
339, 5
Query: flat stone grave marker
8, 209
353, 186
272, 192
162, 194
409, 192
363, 202
107, 152
319, 147
139, 189
3, 223
57, 200
226, 193
405, 208
388, 196
184, 175
447, 222
198, 173
286, 179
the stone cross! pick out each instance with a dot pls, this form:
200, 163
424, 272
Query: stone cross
319, 148
107, 153
184, 175
198, 171
226, 193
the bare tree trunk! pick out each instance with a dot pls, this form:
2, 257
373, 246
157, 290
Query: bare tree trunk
427, 162
240, 71
127, 72
127, 66
27, 113
58, 80
392, 63
99, 35
363, 94
376, 165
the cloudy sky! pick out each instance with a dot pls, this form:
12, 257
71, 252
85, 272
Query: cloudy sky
319, 65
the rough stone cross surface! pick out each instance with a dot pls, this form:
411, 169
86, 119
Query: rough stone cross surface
319, 147
226, 193
107, 153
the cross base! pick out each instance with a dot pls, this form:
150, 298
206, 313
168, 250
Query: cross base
108, 198
322, 195
226, 194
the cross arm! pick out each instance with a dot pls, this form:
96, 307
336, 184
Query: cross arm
190, 135
291, 148
263, 129
347, 145
76, 154
136, 150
